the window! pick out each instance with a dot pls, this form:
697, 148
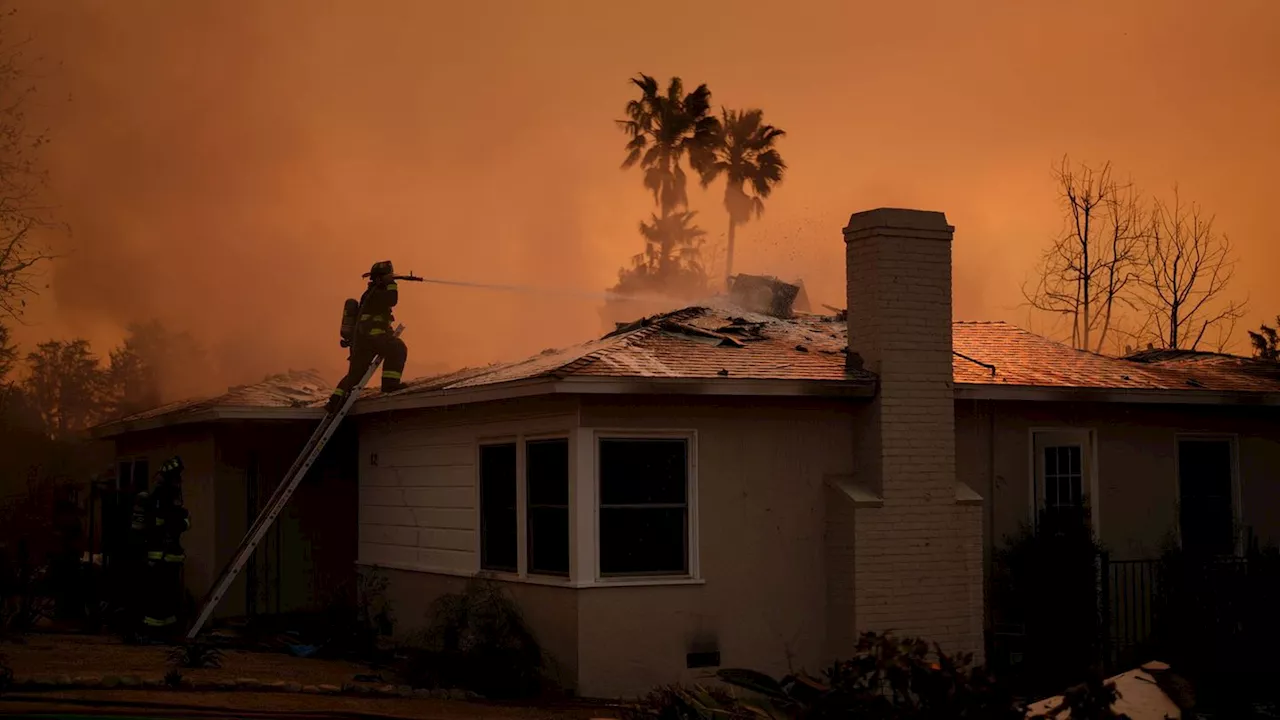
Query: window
644, 507
1063, 477
498, 534
141, 474
132, 475
547, 497
1207, 509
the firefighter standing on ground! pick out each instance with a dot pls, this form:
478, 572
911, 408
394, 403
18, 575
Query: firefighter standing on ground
165, 555
373, 336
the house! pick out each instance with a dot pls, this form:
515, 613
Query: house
236, 447
714, 487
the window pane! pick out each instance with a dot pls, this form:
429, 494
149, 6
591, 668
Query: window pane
141, 474
498, 535
637, 472
549, 540
124, 476
637, 541
1063, 477
1204, 483
547, 476
547, 472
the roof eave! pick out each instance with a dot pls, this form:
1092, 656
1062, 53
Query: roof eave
1033, 393
618, 386
117, 428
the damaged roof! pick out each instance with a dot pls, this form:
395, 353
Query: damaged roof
292, 395
692, 343
997, 353
714, 348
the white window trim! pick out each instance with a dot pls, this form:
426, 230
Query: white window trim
522, 573
1089, 438
1237, 504
592, 564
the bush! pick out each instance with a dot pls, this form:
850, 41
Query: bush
1045, 581
476, 640
886, 679
194, 655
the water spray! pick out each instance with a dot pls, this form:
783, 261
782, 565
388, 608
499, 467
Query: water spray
535, 290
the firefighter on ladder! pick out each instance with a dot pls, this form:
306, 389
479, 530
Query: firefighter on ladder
372, 336
165, 555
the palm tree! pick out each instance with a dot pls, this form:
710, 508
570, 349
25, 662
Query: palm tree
744, 153
664, 130
671, 261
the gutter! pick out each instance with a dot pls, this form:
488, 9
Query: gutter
1140, 396
579, 385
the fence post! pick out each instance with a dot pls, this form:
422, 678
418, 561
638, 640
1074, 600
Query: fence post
1104, 610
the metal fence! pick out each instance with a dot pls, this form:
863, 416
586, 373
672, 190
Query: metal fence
1219, 607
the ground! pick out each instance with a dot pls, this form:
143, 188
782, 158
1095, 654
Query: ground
78, 656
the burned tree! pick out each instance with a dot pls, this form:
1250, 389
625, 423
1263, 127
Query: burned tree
22, 214
1266, 342
64, 385
1184, 284
1088, 275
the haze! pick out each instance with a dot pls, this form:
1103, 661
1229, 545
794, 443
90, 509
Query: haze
231, 168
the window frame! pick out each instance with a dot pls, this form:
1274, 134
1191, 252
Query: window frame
481, 444
522, 573
1064, 436
523, 473
1237, 507
692, 550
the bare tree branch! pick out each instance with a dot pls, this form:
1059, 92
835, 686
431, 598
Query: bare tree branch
1189, 268
22, 215
1087, 274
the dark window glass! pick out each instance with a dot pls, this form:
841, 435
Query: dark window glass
141, 474
498, 534
644, 510
547, 477
1063, 478
124, 476
1204, 484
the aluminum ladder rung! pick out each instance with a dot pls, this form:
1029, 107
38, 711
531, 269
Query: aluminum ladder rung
280, 498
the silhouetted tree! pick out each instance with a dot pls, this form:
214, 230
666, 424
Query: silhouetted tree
65, 386
154, 365
664, 130
671, 262
8, 355
21, 180
1189, 266
1089, 273
1266, 342
744, 153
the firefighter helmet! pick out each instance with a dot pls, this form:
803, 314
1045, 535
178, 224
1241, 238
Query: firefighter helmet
172, 467
381, 269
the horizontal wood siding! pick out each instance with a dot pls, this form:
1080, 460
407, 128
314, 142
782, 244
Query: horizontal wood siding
418, 506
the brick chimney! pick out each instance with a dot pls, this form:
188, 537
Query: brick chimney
918, 542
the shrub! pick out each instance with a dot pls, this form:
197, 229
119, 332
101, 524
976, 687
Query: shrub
886, 679
477, 640
1045, 580
196, 654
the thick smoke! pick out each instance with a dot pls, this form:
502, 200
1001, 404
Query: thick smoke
231, 168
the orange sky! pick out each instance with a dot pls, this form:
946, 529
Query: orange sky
232, 167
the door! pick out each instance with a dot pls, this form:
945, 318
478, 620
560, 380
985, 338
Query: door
1206, 495
1063, 462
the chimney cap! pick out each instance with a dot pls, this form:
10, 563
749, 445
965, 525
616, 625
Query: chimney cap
926, 223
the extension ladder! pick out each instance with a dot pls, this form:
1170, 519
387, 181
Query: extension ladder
280, 498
